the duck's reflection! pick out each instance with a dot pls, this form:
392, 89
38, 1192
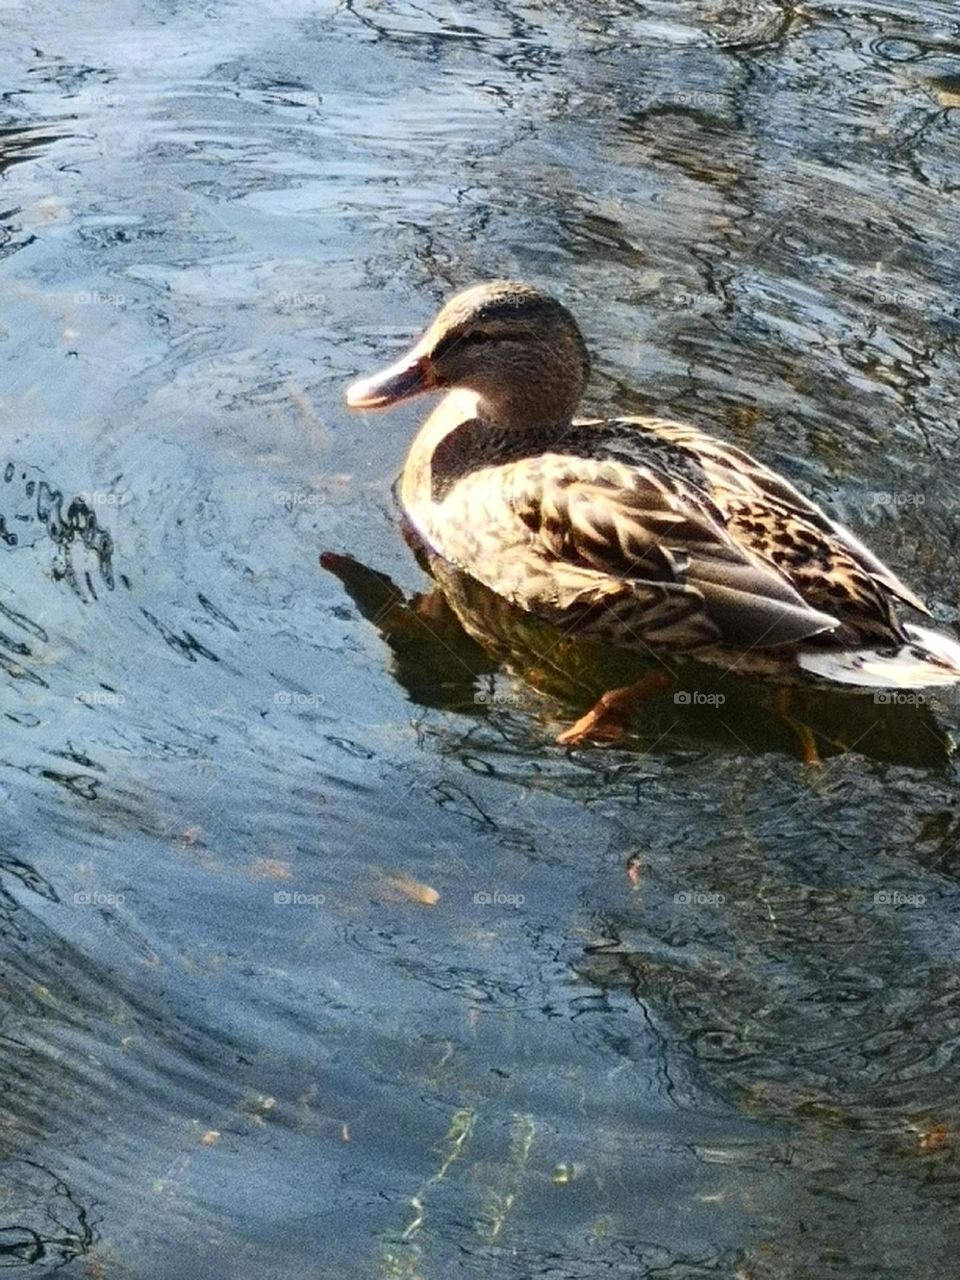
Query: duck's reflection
448, 643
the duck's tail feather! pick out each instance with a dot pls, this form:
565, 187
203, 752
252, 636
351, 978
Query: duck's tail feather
929, 660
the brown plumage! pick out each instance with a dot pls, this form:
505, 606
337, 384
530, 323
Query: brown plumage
645, 533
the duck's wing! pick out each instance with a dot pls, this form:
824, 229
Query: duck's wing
613, 543
732, 475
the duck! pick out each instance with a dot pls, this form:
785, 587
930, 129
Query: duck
638, 532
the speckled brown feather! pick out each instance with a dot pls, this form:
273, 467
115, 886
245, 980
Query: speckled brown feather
602, 529
734, 477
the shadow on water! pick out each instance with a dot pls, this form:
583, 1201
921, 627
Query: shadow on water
446, 641
317, 956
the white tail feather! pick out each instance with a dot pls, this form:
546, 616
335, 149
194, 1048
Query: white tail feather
931, 660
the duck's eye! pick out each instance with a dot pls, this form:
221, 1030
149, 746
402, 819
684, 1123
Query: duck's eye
459, 341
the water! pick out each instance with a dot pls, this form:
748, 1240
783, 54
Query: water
318, 958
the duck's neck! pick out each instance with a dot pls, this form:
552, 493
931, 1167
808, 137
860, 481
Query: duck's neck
460, 436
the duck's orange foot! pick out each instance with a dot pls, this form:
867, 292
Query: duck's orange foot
600, 724
609, 717
808, 743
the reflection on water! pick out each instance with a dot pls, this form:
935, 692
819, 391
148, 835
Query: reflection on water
445, 640
317, 953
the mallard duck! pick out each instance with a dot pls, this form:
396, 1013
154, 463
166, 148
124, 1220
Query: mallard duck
640, 532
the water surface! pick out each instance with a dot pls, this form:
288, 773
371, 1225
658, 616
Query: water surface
318, 958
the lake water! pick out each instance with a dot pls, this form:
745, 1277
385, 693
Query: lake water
318, 958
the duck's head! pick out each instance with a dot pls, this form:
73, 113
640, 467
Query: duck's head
516, 348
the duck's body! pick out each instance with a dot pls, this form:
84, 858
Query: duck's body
644, 533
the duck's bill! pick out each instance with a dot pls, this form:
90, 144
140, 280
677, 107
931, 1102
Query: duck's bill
408, 377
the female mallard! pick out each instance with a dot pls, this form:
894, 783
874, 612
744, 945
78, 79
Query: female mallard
643, 533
